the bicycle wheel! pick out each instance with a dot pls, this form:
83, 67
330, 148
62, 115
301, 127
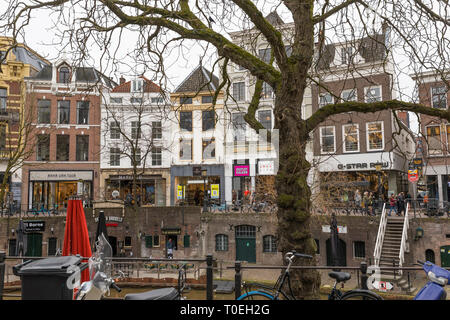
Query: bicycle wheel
361, 295
256, 295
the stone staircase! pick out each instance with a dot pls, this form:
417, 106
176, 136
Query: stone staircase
390, 252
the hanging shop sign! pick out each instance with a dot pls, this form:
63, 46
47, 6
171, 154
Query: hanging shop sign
266, 167
179, 192
214, 191
241, 171
33, 226
413, 175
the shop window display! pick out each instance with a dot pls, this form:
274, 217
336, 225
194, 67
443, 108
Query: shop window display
148, 191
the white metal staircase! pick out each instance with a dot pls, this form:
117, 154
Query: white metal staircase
391, 244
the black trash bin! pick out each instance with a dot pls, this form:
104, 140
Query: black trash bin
46, 279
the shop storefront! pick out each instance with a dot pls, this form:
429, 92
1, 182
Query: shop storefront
52, 189
341, 175
189, 184
150, 189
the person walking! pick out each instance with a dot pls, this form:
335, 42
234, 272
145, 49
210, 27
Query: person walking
392, 204
400, 204
357, 200
365, 202
170, 249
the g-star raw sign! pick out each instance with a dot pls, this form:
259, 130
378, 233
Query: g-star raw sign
351, 166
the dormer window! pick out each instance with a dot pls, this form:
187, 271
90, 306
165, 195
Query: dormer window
347, 55
137, 85
63, 75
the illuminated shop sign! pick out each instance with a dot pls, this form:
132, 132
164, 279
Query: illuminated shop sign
242, 171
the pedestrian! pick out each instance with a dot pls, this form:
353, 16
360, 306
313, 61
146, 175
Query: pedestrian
357, 200
400, 204
371, 204
365, 202
392, 204
170, 249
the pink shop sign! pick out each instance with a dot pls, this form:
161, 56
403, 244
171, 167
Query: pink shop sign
242, 171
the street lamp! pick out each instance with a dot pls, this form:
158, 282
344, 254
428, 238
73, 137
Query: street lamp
204, 172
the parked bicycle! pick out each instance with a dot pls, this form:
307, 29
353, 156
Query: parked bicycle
277, 292
35, 211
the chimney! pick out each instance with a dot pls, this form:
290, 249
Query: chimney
122, 80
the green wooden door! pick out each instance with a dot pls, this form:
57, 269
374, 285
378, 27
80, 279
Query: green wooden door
445, 256
246, 243
246, 249
34, 245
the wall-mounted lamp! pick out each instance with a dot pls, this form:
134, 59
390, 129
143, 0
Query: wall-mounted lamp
419, 233
51, 229
13, 231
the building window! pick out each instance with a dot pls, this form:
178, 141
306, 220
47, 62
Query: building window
267, 91
375, 136
209, 149
349, 95
269, 244
137, 85
136, 100
43, 147
156, 156
324, 99
359, 249
429, 256
63, 112
2, 137
347, 55
351, 138
448, 139
114, 157
64, 75
439, 97
137, 157
157, 100
82, 148
239, 126
207, 99
62, 147
185, 100
264, 54
3, 98
155, 240
372, 94
186, 120
82, 112
208, 120
265, 118
327, 140
115, 100
185, 149
221, 242
44, 111
434, 140
156, 130
239, 91
114, 130
135, 130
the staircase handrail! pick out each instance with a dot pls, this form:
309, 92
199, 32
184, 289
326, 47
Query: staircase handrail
404, 239
380, 236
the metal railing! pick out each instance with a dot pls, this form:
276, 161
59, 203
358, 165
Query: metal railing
380, 236
404, 239
134, 268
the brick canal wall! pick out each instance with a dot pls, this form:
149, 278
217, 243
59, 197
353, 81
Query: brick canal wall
131, 231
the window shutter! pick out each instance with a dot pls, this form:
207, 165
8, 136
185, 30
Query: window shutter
187, 241
148, 241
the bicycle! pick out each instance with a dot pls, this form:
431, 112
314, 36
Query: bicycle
275, 292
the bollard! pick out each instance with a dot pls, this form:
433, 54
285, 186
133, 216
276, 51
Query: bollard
364, 277
2, 273
209, 277
237, 279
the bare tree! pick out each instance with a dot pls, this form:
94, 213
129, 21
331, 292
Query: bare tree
419, 29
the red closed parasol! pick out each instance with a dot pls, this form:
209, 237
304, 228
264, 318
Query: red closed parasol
76, 236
